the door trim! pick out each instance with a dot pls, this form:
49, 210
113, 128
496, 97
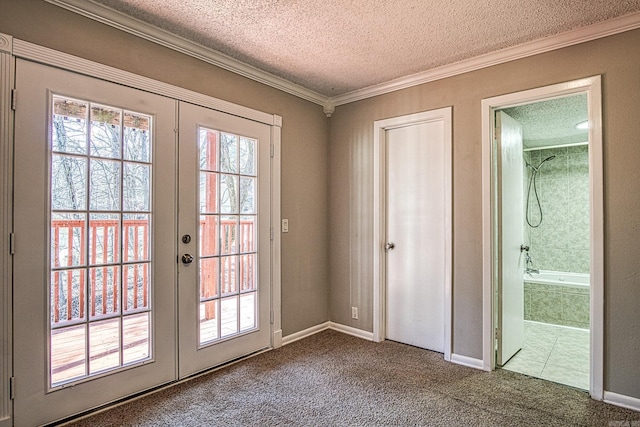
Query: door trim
591, 86
379, 221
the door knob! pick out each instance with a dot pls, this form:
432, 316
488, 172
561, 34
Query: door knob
187, 259
389, 246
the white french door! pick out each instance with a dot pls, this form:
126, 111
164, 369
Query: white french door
224, 244
124, 230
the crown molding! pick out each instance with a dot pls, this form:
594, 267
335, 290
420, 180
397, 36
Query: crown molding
141, 29
569, 38
151, 33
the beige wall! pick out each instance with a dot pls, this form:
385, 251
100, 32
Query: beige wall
304, 135
617, 58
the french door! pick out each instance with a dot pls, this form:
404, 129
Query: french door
224, 238
106, 193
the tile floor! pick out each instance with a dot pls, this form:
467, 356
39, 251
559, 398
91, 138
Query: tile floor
555, 353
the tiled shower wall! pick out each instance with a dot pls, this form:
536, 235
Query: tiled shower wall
561, 242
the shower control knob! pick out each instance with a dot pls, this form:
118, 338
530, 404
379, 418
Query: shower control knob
524, 248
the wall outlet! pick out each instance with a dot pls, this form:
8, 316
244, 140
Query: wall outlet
354, 312
285, 225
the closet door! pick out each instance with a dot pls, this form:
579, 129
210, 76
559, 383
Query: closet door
95, 252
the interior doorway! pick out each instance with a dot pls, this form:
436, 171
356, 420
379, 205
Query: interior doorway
543, 233
412, 227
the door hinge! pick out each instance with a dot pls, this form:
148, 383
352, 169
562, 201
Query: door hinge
12, 388
271, 233
273, 150
14, 99
496, 335
272, 316
12, 243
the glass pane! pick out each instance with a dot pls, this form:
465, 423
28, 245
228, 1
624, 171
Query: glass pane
228, 194
67, 239
208, 149
104, 238
69, 130
247, 272
208, 321
135, 337
104, 345
209, 277
135, 230
136, 187
228, 153
68, 183
229, 316
228, 280
137, 138
208, 235
68, 290
105, 132
105, 185
247, 234
208, 192
104, 283
247, 311
247, 156
135, 287
228, 235
68, 353
247, 195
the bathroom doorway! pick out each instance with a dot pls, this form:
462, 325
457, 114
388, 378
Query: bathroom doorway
543, 249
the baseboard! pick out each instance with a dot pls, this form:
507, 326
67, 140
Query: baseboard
305, 333
622, 400
351, 331
467, 361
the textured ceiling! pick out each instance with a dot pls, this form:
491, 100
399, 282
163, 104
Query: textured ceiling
552, 122
337, 46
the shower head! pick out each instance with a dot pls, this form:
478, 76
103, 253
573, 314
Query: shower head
548, 158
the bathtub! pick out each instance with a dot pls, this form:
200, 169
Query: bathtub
559, 278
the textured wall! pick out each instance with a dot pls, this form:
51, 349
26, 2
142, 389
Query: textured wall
351, 144
304, 135
561, 242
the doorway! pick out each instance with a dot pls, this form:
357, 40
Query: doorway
106, 241
543, 234
412, 227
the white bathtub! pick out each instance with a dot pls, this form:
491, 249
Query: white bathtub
559, 278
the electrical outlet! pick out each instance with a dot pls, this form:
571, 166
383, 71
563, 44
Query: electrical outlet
354, 312
285, 225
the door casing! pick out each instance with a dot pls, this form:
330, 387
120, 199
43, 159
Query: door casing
591, 86
379, 222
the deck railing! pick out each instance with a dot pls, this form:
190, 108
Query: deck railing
104, 261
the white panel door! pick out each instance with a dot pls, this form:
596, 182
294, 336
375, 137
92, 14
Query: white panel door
510, 237
416, 227
224, 245
94, 264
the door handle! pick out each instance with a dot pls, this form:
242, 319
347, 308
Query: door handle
187, 259
389, 246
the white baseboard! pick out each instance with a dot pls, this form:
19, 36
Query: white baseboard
351, 331
305, 333
622, 400
467, 361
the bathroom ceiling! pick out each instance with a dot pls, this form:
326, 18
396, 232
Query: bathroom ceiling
552, 122
333, 47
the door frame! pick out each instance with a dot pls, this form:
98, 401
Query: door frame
591, 86
379, 217
12, 48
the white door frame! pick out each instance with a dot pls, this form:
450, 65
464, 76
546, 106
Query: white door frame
590, 86
379, 221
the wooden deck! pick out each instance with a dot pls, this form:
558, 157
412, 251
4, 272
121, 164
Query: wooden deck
69, 345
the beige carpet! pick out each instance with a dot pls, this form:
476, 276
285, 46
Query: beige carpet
332, 379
